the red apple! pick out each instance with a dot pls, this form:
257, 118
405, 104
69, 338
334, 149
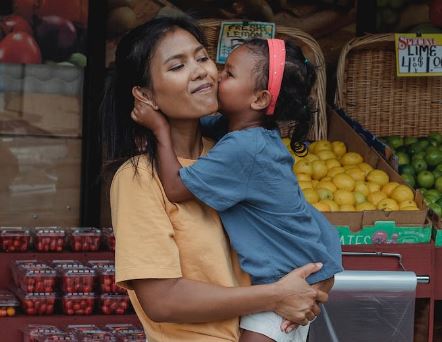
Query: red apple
14, 23
19, 47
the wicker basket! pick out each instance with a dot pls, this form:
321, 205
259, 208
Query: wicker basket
369, 91
310, 49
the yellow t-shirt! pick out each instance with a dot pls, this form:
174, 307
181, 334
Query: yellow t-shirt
159, 239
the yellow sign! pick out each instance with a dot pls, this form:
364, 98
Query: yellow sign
418, 54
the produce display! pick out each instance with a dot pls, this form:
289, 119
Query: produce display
106, 276
85, 239
334, 179
49, 239
15, 239
46, 31
8, 304
78, 303
420, 165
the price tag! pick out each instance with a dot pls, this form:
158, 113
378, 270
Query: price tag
234, 33
418, 54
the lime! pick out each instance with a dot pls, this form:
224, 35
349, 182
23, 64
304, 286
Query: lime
403, 158
415, 148
425, 179
438, 167
410, 140
438, 184
437, 209
436, 137
433, 157
395, 141
437, 173
433, 143
419, 165
406, 169
409, 179
423, 143
418, 155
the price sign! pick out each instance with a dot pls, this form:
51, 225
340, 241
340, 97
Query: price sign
234, 33
418, 55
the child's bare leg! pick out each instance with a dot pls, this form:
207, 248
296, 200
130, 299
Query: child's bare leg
251, 336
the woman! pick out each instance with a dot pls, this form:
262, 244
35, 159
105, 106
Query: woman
174, 258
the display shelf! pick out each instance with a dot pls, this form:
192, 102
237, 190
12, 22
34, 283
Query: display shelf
11, 327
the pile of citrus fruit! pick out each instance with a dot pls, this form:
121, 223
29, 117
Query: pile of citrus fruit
420, 165
333, 179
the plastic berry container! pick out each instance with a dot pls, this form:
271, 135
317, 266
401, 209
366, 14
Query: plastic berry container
37, 303
113, 304
36, 279
33, 331
57, 337
15, 239
78, 303
19, 266
49, 239
127, 332
95, 336
85, 239
106, 276
59, 265
8, 304
109, 238
74, 280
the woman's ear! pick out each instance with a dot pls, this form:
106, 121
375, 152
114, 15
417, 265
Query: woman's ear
144, 95
262, 100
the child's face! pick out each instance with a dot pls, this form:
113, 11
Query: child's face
236, 87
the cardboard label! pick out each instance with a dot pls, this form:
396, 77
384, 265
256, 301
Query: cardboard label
418, 55
384, 232
234, 33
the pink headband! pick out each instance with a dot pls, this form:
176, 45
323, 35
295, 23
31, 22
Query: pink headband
276, 71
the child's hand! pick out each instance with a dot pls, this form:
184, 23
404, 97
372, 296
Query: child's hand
144, 115
288, 326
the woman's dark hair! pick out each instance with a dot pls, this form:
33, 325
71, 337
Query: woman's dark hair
122, 137
294, 102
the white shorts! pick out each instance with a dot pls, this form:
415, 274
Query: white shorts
269, 324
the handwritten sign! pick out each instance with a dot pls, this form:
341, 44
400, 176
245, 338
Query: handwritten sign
418, 55
234, 33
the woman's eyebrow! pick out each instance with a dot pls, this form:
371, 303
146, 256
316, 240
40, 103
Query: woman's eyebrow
182, 55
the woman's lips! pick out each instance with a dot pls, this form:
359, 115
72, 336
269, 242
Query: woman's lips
203, 88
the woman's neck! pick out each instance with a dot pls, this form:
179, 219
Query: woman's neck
186, 138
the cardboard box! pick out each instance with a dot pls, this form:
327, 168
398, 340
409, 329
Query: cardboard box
339, 129
40, 183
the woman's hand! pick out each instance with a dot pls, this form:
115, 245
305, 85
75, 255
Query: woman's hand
298, 301
146, 116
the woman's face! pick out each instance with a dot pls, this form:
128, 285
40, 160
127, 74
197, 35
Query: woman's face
184, 78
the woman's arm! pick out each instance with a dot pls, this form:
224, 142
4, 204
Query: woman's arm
187, 301
168, 164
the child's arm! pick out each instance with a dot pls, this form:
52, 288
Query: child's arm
168, 164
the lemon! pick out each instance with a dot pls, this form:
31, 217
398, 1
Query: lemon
326, 154
347, 207
331, 204
338, 148
326, 184
305, 185
312, 146
311, 195
326, 178
348, 167
365, 167
365, 206
324, 193
319, 169
361, 187
376, 197
356, 173
378, 176
351, 158
344, 181
387, 204
359, 197
315, 183
407, 203
335, 171
303, 177
389, 187
343, 197
321, 206
373, 187
402, 193
303, 167
322, 145
331, 163
310, 157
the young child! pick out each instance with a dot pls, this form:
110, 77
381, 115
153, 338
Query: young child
247, 176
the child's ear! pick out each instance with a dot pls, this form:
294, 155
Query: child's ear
144, 95
262, 100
